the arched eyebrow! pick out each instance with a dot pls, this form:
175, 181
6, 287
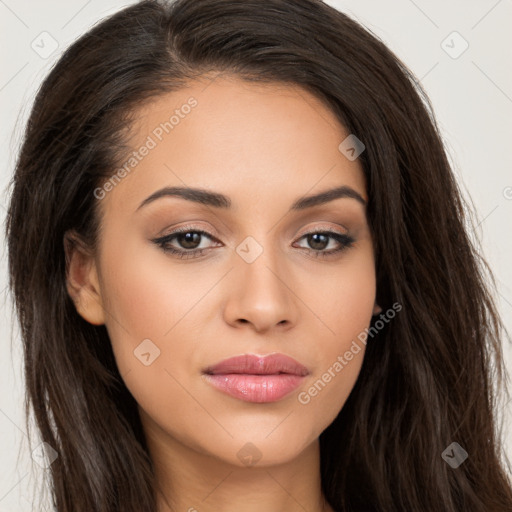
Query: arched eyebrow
217, 200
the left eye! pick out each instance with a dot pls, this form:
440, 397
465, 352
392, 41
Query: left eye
189, 241
319, 241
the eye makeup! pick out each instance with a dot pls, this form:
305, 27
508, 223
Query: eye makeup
175, 243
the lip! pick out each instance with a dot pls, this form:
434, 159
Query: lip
258, 379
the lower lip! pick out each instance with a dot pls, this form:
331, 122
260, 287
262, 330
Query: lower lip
256, 388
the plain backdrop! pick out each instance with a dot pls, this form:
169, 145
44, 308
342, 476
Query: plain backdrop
459, 50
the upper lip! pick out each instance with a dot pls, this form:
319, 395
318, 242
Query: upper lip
251, 364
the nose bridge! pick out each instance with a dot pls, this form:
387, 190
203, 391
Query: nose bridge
259, 265
259, 293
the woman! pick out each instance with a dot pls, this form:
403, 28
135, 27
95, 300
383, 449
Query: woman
238, 256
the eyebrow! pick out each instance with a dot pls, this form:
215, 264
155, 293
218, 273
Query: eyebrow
217, 200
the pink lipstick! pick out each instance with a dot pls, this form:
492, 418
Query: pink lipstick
258, 379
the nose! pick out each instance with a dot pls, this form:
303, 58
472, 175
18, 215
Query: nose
261, 295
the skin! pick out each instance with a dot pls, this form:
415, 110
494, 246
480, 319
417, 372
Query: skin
264, 146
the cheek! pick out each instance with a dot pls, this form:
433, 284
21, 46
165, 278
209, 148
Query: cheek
340, 358
143, 302
149, 303
345, 305
343, 297
145, 295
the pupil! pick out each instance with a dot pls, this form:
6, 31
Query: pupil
315, 243
189, 240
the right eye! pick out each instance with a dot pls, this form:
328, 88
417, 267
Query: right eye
189, 239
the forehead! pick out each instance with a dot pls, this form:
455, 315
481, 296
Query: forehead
243, 138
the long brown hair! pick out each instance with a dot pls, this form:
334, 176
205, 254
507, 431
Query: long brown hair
430, 377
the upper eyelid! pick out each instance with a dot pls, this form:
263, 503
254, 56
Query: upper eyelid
187, 229
193, 227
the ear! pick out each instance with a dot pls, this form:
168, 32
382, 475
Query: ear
82, 279
376, 309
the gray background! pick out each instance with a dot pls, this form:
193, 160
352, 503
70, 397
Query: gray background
471, 92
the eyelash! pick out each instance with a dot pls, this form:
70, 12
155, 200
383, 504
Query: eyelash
346, 242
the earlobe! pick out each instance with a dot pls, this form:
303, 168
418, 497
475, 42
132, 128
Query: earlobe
376, 309
82, 280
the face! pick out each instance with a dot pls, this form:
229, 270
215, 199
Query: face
255, 269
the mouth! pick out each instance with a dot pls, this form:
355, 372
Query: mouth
258, 379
